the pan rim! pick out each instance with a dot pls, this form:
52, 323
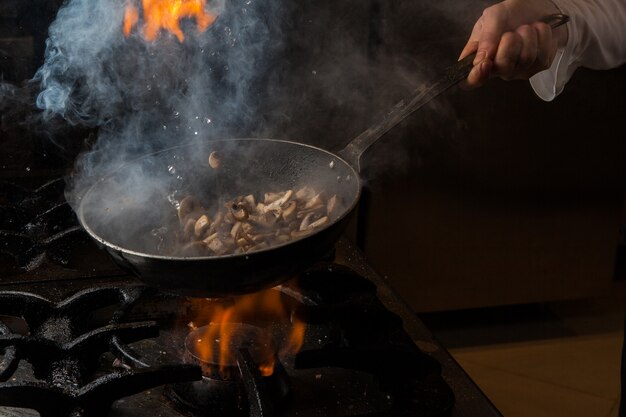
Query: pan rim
117, 248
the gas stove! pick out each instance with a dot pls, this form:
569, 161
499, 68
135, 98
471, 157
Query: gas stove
79, 337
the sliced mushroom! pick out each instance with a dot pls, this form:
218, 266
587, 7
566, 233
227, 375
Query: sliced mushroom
188, 230
214, 160
239, 212
201, 225
317, 200
246, 225
267, 220
217, 246
186, 206
247, 228
300, 233
250, 200
319, 210
320, 222
208, 239
278, 203
289, 211
304, 225
236, 230
331, 205
269, 198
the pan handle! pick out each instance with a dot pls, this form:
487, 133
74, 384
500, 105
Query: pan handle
448, 78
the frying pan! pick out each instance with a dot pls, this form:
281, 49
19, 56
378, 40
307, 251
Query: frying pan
130, 212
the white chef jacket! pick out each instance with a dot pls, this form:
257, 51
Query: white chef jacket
596, 40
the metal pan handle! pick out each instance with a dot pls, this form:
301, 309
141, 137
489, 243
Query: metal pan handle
448, 78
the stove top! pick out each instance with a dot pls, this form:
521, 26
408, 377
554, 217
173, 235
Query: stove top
79, 337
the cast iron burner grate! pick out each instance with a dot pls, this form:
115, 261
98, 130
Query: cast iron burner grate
357, 359
37, 224
64, 352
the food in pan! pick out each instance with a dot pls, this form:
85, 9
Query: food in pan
247, 224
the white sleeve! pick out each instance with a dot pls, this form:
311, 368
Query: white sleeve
596, 40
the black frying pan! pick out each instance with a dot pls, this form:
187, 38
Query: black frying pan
127, 212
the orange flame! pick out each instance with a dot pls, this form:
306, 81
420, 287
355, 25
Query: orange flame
265, 306
166, 15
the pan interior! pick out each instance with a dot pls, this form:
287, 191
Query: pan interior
135, 208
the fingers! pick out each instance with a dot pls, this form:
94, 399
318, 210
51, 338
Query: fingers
507, 55
486, 34
493, 23
525, 52
484, 40
506, 46
529, 50
478, 76
472, 43
546, 47
519, 55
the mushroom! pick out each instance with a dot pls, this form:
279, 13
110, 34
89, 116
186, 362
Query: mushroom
318, 223
331, 205
188, 230
289, 211
236, 230
239, 212
300, 233
319, 210
186, 206
217, 246
250, 200
246, 225
267, 220
214, 160
269, 198
280, 201
304, 225
201, 225
317, 200
210, 238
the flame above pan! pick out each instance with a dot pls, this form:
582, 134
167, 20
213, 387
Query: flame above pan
159, 15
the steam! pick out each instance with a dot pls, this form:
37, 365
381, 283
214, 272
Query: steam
145, 96
93, 75
265, 68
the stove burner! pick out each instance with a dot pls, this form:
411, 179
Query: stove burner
251, 394
204, 347
236, 388
65, 353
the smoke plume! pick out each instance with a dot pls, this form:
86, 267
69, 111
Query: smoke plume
304, 71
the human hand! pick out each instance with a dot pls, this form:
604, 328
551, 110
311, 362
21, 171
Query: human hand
511, 43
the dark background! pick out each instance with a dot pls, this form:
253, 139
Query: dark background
481, 198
